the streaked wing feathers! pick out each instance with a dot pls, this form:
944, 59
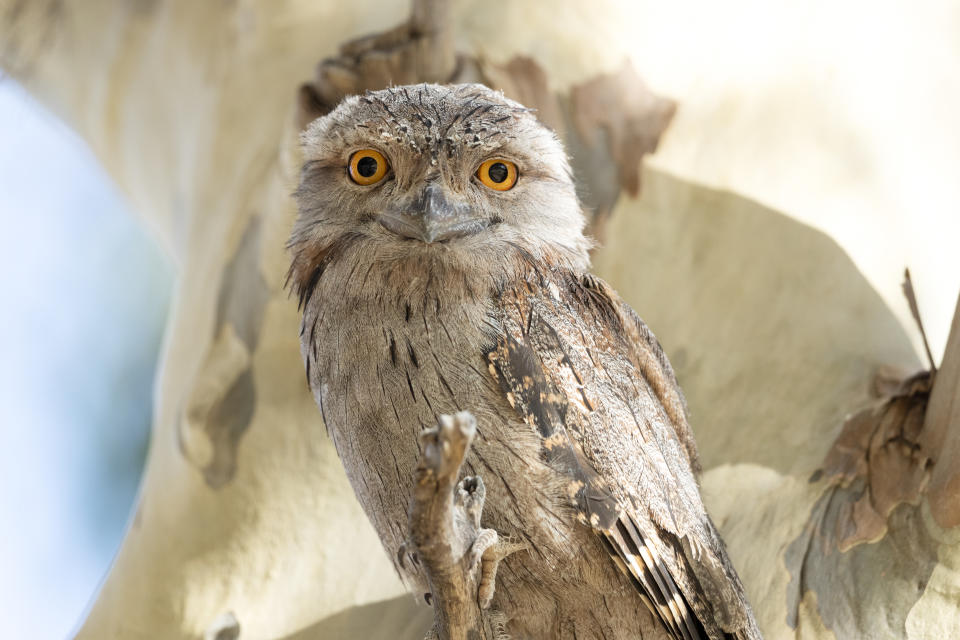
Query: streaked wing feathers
579, 366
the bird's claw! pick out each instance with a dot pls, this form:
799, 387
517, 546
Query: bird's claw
494, 550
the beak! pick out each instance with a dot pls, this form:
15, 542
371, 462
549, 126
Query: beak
433, 216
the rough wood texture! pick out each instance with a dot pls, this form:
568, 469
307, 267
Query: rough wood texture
446, 536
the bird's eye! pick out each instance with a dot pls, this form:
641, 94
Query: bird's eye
367, 167
498, 174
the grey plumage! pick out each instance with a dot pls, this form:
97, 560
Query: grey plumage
429, 292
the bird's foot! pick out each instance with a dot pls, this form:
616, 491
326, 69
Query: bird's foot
490, 562
488, 547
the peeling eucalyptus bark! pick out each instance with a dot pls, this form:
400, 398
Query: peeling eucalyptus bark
902, 561
750, 305
879, 457
868, 526
224, 397
31, 26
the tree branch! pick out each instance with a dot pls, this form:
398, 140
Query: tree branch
459, 557
419, 50
941, 430
431, 26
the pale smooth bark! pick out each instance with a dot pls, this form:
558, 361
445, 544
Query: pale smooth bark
246, 526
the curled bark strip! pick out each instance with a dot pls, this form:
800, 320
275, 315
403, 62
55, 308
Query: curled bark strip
419, 50
885, 451
880, 460
902, 447
459, 557
887, 458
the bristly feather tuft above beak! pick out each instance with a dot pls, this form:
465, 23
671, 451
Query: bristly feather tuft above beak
433, 216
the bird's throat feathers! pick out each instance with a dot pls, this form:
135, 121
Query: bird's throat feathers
358, 269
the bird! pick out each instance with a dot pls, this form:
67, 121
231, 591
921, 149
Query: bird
439, 259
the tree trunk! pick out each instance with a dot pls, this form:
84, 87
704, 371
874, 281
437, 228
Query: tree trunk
246, 526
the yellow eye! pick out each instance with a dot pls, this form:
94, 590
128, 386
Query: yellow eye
367, 167
498, 174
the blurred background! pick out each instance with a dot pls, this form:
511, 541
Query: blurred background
841, 115
84, 298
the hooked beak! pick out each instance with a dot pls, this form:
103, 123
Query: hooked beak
432, 217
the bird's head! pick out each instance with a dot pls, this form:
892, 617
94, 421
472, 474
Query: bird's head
430, 177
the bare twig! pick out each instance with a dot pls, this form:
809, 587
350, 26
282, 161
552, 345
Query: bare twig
908, 291
458, 556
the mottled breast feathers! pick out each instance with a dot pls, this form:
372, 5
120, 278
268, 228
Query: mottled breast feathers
580, 367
